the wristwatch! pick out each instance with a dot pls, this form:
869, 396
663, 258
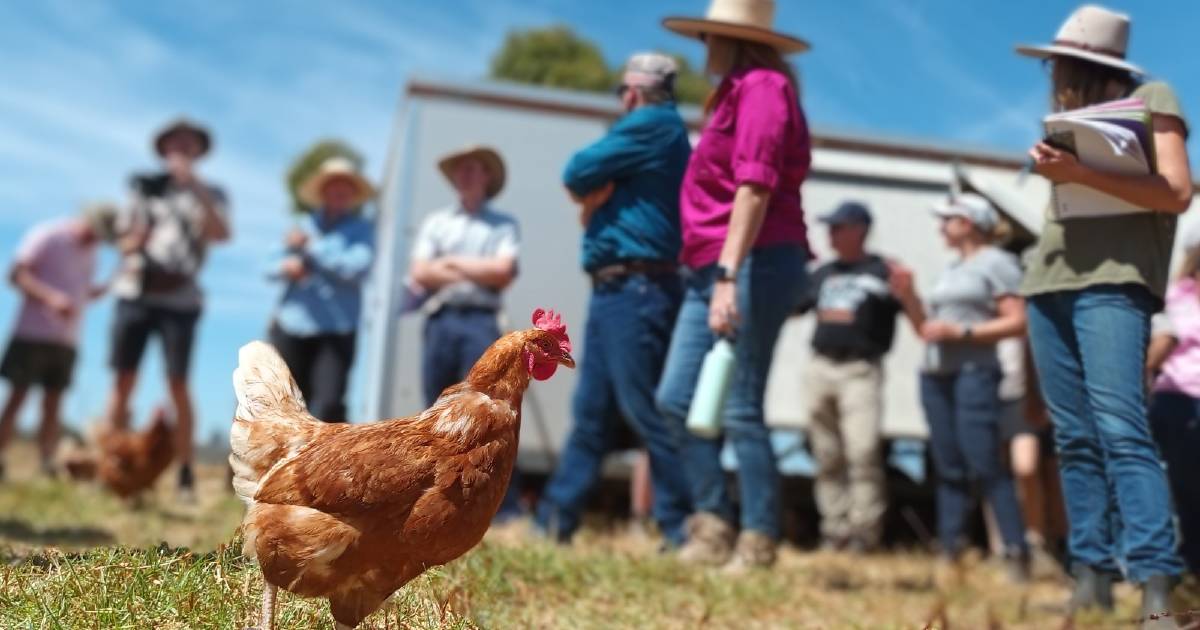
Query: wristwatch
725, 274
968, 332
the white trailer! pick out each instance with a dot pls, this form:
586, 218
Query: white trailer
538, 129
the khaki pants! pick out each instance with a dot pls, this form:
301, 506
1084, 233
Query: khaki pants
844, 412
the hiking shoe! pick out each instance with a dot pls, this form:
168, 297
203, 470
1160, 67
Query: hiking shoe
1093, 589
753, 551
709, 540
187, 485
1156, 602
1017, 565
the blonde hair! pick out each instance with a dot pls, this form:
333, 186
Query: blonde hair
1001, 233
727, 55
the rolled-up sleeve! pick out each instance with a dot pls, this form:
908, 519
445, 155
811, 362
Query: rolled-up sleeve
758, 152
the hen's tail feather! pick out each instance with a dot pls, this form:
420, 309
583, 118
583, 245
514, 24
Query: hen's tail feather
271, 423
263, 383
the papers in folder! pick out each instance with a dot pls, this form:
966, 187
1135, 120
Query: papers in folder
1115, 137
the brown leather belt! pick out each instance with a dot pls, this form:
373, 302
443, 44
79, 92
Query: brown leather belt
609, 273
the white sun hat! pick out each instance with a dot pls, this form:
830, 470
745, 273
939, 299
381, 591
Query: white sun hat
1091, 33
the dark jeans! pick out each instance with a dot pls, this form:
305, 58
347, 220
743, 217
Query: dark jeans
963, 411
769, 285
455, 338
1175, 421
628, 329
1090, 348
321, 366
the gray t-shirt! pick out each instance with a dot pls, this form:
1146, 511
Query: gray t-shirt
456, 232
966, 293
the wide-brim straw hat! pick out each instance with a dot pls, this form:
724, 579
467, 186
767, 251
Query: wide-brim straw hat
749, 20
182, 125
1093, 34
489, 157
335, 168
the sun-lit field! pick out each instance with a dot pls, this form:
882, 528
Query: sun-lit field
74, 557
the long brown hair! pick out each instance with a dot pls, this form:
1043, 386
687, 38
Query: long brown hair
727, 55
1077, 83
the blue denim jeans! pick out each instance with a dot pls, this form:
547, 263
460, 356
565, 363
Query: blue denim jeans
963, 411
1089, 347
769, 285
1175, 422
628, 329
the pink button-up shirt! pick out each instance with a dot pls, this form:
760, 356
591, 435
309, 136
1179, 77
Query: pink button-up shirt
1181, 372
757, 134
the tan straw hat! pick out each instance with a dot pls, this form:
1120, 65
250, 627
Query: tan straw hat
1091, 33
488, 156
182, 125
750, 20
334, 168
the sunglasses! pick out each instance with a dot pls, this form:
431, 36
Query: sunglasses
622, 89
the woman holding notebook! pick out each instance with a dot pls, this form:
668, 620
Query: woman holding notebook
1092, 285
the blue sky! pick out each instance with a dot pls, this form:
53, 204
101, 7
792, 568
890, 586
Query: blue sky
85, 84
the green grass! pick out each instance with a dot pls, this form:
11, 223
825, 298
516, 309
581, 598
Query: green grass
74, 557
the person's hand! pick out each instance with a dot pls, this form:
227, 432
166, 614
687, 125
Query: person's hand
293, 268
723, 316
1054, 164
296, 239
591, 202
934, 331
900, 279
60, 304
134, 239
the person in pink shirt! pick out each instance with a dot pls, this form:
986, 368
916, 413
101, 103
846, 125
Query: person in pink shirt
745, 249
53, 270
1173, 365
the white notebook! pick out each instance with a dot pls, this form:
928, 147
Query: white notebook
1115, 138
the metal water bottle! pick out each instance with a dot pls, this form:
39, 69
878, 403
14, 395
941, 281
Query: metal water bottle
708, 402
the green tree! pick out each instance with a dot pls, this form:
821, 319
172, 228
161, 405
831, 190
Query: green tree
553, 56
691, 85
310, 160
557, 57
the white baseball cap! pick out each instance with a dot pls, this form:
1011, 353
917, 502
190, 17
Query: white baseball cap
970, 206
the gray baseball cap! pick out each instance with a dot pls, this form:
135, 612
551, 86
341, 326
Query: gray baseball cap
650, 70
970, 206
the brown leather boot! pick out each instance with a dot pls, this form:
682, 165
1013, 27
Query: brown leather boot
709, 540
754, 551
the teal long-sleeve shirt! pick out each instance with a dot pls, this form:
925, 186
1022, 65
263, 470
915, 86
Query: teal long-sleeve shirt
644, 154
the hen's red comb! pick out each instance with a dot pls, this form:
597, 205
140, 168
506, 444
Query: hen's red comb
551, 322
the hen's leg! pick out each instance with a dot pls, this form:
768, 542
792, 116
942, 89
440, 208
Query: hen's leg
267, 621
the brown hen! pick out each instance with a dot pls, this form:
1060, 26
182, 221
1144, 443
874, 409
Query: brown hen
351, 513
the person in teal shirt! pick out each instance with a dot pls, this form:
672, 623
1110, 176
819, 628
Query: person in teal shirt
627, 187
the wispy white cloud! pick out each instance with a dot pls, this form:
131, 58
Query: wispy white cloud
994, 116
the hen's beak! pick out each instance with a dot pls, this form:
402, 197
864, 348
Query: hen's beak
566, 360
